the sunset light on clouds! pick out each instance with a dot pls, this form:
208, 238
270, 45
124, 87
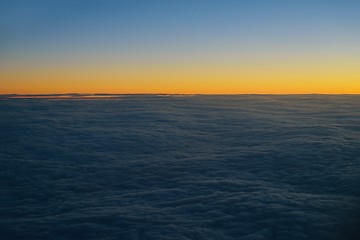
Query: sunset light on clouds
192, 47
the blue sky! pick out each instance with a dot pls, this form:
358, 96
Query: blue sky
65, 25
52, 33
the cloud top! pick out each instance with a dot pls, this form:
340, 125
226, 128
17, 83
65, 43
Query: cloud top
197, 167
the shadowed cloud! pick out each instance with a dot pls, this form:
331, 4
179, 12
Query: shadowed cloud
180, 167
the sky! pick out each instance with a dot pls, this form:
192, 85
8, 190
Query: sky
168, 46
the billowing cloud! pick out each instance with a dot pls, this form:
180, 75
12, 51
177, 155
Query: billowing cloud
175, 167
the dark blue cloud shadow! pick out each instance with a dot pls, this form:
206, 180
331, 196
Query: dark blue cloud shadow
180, 167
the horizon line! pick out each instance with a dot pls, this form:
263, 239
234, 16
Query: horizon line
75, 94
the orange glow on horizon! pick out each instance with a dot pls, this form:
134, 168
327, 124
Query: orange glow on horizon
284, 78
242, 47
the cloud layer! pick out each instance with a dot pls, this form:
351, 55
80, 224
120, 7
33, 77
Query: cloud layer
180, 167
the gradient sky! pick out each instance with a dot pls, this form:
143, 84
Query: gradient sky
173, 46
